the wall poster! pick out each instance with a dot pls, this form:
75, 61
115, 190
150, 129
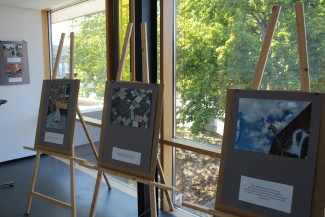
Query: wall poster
14, 63
269, 152
57, 115
130, 128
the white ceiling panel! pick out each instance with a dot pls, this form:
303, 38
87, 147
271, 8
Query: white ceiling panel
82, 9
35, 4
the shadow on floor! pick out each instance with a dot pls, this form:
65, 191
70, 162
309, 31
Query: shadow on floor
53, 179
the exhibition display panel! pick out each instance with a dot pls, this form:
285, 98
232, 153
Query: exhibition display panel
14, 66
57, 115
130, 128
269, 152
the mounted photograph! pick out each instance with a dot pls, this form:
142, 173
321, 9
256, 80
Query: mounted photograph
269, 152
14, 70
131, 107
14, 64
277, 127
130, 128
58, 106
13, 50
57, 115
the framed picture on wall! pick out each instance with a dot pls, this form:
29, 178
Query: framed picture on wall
56, 120
130, 128
269, 153
14, 67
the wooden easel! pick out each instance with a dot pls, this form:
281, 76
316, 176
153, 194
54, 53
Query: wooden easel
32, 193
101, 170
317, 209
81, 119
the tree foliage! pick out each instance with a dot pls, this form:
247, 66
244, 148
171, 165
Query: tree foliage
218, 45
90, 53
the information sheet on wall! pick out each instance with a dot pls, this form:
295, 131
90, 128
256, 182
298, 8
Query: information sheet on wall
129, 133
57, 115
271, 152
14, 67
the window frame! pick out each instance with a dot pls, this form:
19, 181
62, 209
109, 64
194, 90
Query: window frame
46, 43
168, 78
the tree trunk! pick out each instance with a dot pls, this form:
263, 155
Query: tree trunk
262, 22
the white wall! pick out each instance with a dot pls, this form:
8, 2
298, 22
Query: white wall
19, 116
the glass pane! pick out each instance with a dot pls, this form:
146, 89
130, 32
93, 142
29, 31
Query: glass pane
315, 19
196, 179
89, 60
199, 99
124, 21
218, 45
217, 48
90, 54
89, 57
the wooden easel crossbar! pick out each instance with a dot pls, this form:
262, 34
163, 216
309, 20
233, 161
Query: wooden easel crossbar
152, 185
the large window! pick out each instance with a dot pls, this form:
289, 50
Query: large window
217, 47
88, 22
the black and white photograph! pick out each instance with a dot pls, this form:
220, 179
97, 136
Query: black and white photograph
131, 107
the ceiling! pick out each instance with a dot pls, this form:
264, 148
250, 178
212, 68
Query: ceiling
36, 4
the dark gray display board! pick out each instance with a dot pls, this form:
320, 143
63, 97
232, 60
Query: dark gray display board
57, 115
130, 127
14, 67
270, 151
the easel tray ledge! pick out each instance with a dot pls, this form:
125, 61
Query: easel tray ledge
137, 179
54, 154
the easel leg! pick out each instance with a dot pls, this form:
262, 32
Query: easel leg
153, 204
72, 189
92, 145
32, 185
163, 181
96, 191
107, 181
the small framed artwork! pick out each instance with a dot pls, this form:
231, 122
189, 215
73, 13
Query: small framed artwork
269, 153
14, 63
130, 128
57, 115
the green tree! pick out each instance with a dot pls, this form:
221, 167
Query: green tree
218, 45
124, 21
90, 53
